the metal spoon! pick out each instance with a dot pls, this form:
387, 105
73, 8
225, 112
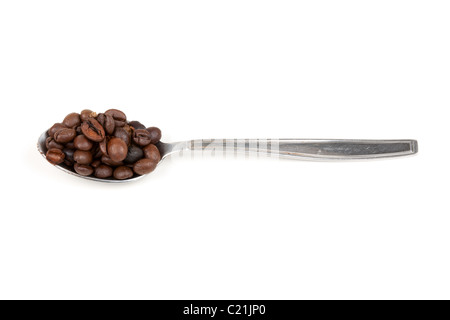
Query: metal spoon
300, 149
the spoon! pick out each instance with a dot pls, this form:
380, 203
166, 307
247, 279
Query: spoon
300, 149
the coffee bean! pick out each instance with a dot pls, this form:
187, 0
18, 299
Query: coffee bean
142, 137
55, 156
103, 145
151, 152
69, 154
136, 125
82, 143
109, 124
134, 154
101, 119
117, 149
72, 120
96, 151
144, 166
82, 157
122, 173
107, 160
93, 130
83, 169
155, 134
57, 126
65, 135
119, 117
103, 171
129, 129
96, 163
86, 114
123, 134
50, 143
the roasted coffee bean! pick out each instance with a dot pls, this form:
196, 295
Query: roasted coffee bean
57, 126
83, 169
82, 157
122, 133
96, 152
129, 129
72, 120
107, 160
142, 137
70, 145
55, 156
119, 117
96, 163
109, 124
69, 154
117, 149
82, 143
93, 130
134, 154
155, 134
136, 125
101, 119
86, 114
65, 135
50, 143
151, 152
103, 171
122, 173
144, 166
104, 145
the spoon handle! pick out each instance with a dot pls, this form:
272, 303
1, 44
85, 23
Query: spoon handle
310, 149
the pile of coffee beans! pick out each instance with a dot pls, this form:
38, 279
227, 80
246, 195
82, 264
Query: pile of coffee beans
103, 145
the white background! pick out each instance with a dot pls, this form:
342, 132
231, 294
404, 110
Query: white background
221, 228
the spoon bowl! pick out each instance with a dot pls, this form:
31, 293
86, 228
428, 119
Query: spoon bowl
43, 150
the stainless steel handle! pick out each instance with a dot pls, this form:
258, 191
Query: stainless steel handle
311, 149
